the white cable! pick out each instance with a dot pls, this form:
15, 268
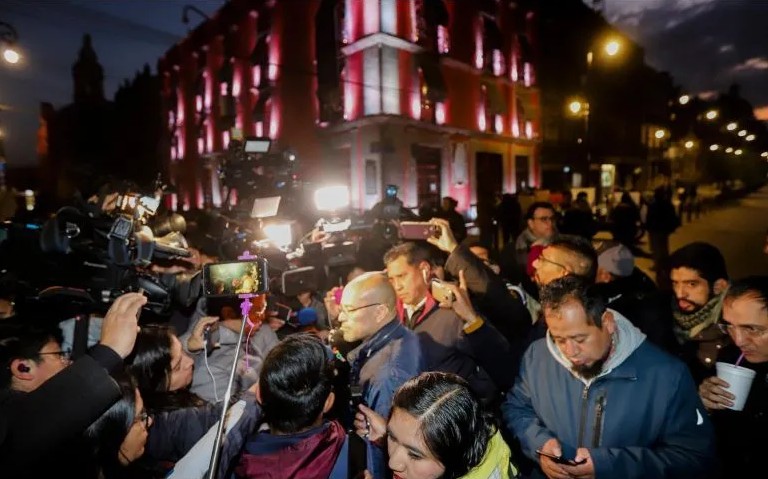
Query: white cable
205, 358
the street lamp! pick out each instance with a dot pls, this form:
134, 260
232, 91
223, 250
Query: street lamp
729, 150
660, 134
711, 114
764, 154
732, 126
714, 147
737, 152
743, 133
612, 47
8, 39
684, 99
688, 144
577, 107
750, 138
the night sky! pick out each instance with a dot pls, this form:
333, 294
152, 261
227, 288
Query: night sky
705, 44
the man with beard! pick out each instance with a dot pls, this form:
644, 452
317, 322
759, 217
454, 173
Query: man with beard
699, 282
596, 392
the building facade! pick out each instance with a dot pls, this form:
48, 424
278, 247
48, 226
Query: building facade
437, 97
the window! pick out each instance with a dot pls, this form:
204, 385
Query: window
431, 15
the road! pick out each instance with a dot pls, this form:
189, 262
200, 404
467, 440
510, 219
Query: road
737, 229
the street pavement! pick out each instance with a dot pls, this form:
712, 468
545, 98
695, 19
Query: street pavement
738, 229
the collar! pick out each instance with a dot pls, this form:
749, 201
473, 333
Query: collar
372, 345
429, 305
409, 309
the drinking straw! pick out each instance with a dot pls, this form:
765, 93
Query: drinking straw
740, 358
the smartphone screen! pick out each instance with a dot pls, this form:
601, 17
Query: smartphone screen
560, 459
235, 277
414, 230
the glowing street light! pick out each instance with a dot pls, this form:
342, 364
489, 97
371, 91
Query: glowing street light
612, 48
684, 99
711, 114
689, 144
737, 152
576, 107
743, 133
750, 138
714, 147
11, 56
729, 150
731, 126
660, 134
764, 154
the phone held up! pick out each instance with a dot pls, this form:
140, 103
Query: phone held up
440, 292
561, 459
233, 278
416, 230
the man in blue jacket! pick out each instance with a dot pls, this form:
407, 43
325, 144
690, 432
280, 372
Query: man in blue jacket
593, 390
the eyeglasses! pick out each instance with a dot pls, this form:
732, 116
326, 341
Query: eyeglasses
348, 311
547, 260
749, 331
63, 354
143, 417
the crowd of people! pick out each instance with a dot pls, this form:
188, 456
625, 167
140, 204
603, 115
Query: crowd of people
555, 357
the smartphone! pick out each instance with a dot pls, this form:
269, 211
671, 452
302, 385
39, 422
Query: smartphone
560, 459
440, 292
417, 230
235, 277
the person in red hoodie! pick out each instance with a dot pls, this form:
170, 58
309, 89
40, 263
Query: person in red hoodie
295, 392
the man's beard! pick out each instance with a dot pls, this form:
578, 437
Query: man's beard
589, 371
696, 309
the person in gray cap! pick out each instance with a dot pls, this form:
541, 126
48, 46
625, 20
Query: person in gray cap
632, 293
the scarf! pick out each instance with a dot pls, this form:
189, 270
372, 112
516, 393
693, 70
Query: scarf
687, 326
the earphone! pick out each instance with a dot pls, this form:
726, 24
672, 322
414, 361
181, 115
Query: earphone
23, 368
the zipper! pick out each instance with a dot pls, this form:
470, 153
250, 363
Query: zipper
584, 410
598, 427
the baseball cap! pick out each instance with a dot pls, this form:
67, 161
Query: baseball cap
617, 259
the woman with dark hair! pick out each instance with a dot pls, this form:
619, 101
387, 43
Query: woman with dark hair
437, 428
119, 436
163, 373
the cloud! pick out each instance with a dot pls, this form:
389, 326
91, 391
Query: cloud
754, 63
726, 48
707, 95
761, 113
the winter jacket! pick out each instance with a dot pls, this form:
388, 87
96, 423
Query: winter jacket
495, 463
219, 360
49, 421
305, 455
379, 366
446, 348
640, 418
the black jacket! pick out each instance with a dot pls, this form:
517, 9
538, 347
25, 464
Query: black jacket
41, 431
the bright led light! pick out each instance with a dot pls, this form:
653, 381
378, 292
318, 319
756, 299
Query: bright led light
612, 48
689, 144
660, 134
711, 114
737, 152
11, 56
279, 234
750, 138
743, 133
684, 99
764, 154
729, 150
575, 107
714, 147
732, 126
332, 198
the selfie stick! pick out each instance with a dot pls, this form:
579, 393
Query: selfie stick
245, 307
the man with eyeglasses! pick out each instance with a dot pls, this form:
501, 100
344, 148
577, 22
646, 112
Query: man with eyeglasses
46, 402
541, 220
742, 435
389, 354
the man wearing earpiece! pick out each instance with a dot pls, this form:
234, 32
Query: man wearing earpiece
47, 401
445, 337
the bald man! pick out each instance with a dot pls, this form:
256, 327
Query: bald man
389, 354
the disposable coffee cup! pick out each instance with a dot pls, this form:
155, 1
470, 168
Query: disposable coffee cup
739, 380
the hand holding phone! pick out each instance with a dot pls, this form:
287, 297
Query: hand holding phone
561, 459
416, 230
441, 292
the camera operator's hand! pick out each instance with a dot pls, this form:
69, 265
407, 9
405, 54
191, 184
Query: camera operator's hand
121, 323
462, 306
196, 340
330, 303
446, 241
